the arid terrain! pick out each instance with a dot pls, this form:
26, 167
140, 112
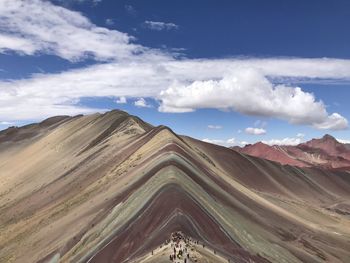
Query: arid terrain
112, 188
326, 152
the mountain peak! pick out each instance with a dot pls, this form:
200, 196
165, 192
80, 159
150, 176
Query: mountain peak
325, 142
262, 144
328, 137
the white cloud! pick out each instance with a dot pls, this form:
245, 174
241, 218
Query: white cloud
243, 143
255, 131
215, 127
133, 71
227, 142
249, 92
343, 141
300, 135
159, 26
23, 46
214, 141
333, 122
109, 22
142, 103
231, 141
35, 26
121, 100
285, 141
96, 2
290, 69
6, 123
158, 77
130, 10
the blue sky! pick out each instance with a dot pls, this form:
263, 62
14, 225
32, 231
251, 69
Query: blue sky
230, 73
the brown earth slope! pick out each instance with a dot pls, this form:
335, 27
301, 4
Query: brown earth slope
112, 188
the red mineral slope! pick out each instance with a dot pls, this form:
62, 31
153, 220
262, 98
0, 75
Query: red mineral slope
328, 146
326, 152
272, 153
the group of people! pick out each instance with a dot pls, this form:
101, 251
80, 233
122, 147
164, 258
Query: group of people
180, 245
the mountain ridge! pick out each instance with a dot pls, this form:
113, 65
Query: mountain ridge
125, 194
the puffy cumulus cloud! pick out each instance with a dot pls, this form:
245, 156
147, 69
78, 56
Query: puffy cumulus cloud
255, 131
35, 26
142, 103
121, 100
333, 122
249, 92
159, 26
285, 141
227, 142
214, 127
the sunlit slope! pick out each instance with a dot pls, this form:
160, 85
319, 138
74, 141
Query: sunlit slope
111, 188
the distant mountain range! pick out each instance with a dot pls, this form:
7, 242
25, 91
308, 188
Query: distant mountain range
112, 188
326, 152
